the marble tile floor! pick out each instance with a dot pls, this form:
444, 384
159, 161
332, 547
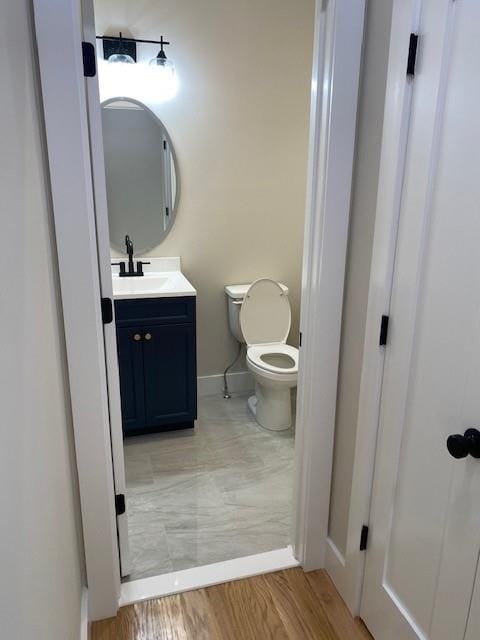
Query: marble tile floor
218, 492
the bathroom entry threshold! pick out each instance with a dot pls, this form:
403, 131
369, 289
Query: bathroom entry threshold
206, 576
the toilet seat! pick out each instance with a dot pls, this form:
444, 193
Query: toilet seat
263, 357
265, 320
265, 315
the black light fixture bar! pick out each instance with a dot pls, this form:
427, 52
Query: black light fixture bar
161, 42
114, 45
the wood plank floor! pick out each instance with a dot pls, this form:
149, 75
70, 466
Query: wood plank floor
287, 605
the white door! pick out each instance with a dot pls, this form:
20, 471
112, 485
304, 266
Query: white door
103, 244
424, 541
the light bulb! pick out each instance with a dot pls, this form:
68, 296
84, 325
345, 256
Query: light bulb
121, 58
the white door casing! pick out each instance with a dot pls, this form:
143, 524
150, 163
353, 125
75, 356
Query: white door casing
334, 97
59, 29
106, 287
425, 523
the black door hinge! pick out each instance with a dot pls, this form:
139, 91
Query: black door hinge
364, 538
165, 144
89, 60
167, 211
107, 310
383, 331
300, 339
120, 504
412, 54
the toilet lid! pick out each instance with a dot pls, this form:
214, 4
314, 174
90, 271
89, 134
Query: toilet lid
265, 316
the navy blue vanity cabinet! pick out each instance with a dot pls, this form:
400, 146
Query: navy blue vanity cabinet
156, 340
169, 363
130, 364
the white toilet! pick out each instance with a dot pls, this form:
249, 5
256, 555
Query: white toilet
260, 315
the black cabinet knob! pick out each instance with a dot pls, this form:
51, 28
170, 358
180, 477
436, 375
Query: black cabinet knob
461, 446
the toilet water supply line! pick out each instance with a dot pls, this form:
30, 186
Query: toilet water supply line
226, 393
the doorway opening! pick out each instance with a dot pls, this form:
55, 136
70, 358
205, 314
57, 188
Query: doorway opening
73, 127
212, 197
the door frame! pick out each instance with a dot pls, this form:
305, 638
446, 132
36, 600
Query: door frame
106, 287
58, 26
347, 570
338, 42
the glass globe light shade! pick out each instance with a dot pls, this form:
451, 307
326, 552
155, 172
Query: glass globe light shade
162, 61
122, 58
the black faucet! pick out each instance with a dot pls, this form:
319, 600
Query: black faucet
131, 267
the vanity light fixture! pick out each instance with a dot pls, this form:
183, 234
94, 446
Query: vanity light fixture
152, 81
124, 50
161, 59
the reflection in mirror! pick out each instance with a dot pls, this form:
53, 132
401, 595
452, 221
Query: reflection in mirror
141, 175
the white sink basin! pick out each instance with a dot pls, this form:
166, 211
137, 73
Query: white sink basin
154, 284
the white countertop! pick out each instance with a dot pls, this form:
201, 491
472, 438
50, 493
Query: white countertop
162, 278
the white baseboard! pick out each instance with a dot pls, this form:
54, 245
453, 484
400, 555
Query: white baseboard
84, 624
199, 577
238, 382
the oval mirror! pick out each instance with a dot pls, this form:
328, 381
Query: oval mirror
141, 175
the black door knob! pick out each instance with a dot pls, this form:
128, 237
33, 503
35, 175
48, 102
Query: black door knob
461, 446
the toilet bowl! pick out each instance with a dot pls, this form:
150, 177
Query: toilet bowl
265, 320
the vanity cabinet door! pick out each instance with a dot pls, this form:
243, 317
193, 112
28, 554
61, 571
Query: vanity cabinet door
170, 374
130, 361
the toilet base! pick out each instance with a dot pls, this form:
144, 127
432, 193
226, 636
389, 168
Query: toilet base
272, 408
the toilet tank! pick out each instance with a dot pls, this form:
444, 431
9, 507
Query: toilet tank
235, 295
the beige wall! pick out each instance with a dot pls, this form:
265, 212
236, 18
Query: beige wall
240, 127
370, 122
41, 571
